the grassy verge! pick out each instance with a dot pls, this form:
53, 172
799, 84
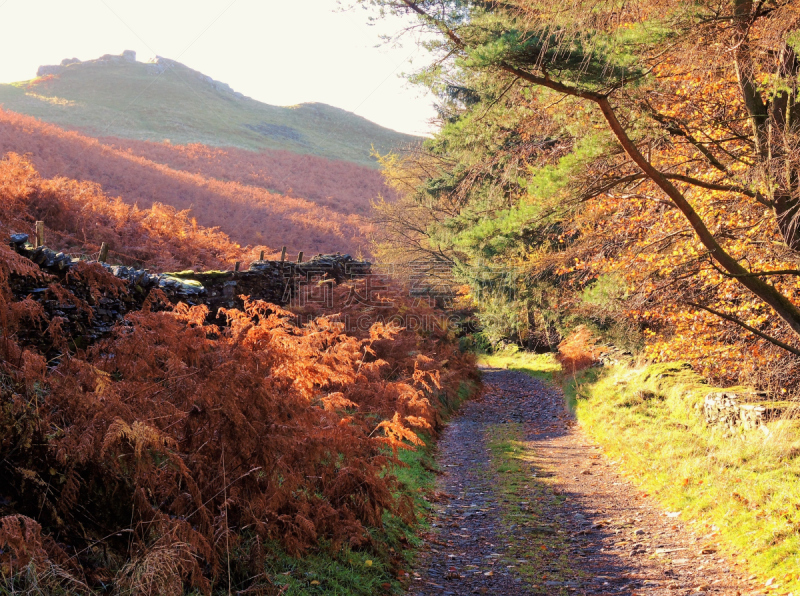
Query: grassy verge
381, 568
741, 491
377, 570
537, 549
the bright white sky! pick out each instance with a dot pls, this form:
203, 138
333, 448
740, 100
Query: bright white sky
281, 52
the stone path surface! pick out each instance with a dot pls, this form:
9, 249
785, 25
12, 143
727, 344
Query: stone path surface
528, 505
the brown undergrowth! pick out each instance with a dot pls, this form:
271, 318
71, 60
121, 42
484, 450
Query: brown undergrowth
578, 351
144, 461
79, 216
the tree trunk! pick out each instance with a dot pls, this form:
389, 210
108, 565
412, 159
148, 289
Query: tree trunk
772, 124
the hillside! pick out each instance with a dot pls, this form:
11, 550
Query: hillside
340, 185
240, 204
79, 217
118, 96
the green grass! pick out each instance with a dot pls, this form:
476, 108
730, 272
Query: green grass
540, 366
741, 492
132, 100
344, 573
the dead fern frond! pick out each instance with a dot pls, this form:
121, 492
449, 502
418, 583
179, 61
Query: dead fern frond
20, 543
141, 436
159, 570
337, 401
396, 432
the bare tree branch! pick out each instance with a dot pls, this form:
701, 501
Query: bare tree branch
751, 329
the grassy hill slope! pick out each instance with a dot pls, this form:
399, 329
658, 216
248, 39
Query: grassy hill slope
115, 96
243, 207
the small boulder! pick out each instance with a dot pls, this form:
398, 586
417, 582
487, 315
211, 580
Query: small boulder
19, 239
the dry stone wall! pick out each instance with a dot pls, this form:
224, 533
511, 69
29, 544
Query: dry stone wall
740, 410
272, 281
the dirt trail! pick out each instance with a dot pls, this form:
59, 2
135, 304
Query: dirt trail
527, 504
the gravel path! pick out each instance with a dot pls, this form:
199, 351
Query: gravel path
527, 504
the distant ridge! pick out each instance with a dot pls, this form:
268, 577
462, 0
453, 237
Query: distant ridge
115, 95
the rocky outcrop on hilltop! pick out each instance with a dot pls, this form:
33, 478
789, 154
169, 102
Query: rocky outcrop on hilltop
161, 65
128, 56
49, 69
157, 67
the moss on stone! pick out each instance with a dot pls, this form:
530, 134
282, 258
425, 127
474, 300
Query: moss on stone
185, 273
185, 281
663, 370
